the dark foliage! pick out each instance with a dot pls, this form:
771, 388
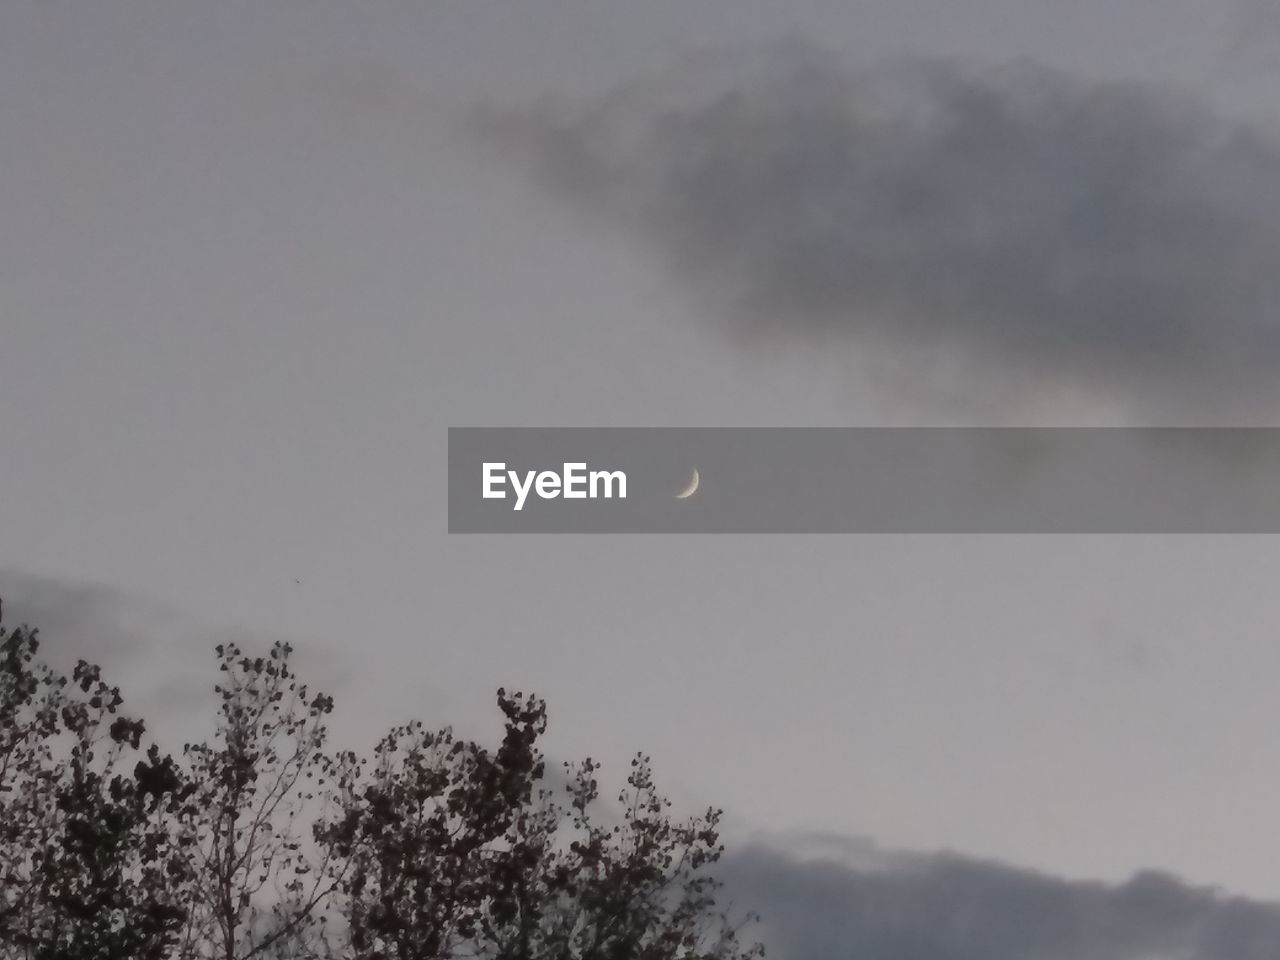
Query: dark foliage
262, 842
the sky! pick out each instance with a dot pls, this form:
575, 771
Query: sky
257, 259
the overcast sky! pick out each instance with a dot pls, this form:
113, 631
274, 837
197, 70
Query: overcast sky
256, 259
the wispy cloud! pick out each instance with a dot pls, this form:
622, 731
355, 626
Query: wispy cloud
1115, 236
161, 659
89, 621
1255, 34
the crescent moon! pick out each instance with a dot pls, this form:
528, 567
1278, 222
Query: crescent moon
691, 489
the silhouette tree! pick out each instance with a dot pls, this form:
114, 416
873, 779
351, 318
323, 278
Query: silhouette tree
258, 885
457, 851
263, 843
90, 861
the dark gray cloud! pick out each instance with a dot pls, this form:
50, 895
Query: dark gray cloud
947, 907
1114, 235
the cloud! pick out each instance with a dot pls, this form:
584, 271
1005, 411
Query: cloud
162, 660
948, 907
1255, 34
144, 648
1110, 236
86, 621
